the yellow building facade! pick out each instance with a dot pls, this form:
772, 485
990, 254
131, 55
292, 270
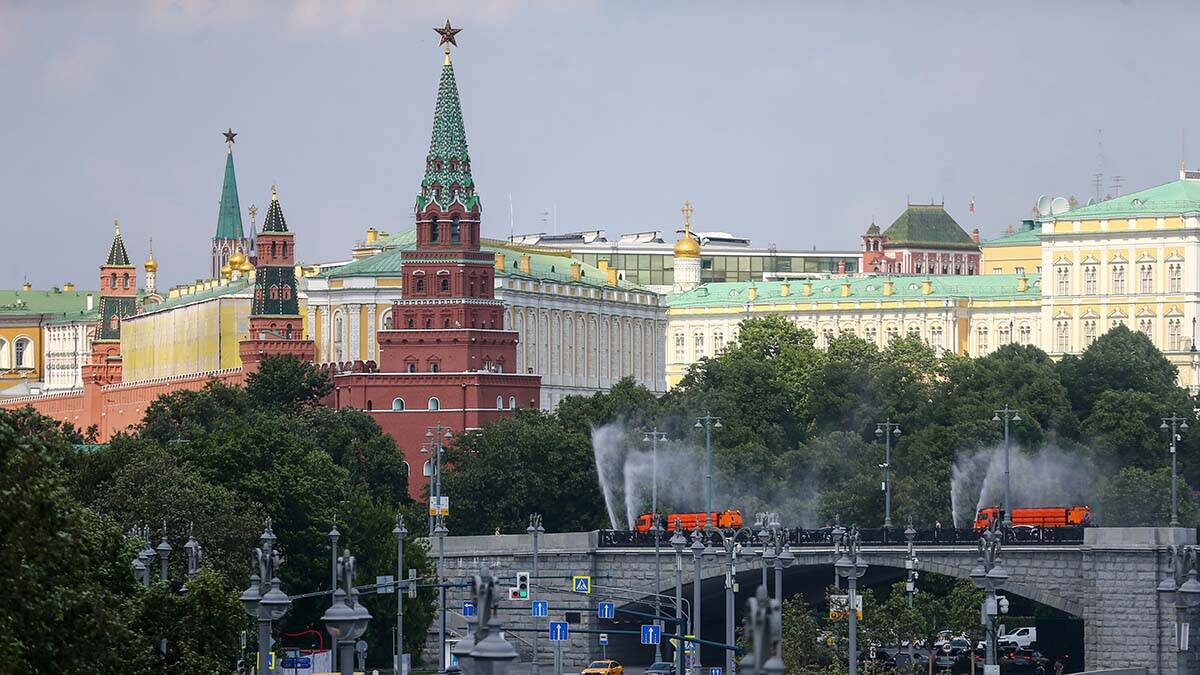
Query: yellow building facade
1018, 252
24, 317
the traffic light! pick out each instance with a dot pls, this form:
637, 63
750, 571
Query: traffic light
522, 585
513, 593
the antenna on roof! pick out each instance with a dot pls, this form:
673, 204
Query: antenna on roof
511, 220
1182, 150
1116, 185
1098, 177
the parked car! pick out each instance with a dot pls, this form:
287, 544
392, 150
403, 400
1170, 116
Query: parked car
1021, 637
1023, 658
661, 668
604, 668
879, 660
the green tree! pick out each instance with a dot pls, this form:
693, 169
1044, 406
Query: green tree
1119, 359
1125, 429
287, 381
524, 463
1136, 497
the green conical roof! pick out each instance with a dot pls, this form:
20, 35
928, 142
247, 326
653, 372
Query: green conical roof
448, 165
229, 220
928, 224
274, 221
116, 252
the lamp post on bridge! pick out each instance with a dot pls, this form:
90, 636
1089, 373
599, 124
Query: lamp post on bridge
1182, 587
1175, 424
437, 528
836, 535
730, 546
708, 423
679, 542
652, 437
853, 567
535, 531
886, 430
1010, 414
263, 599
697, 556
400, 532
776, 551
910, 563
989, 575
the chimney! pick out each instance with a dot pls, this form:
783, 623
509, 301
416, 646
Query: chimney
927, 287
845, 289
372, 235
68, 287
889, 287
89, 302
576, 271
525, 264
1022, 284
612, 275
752, 292
785, 289
808, 288
975, 235
500, 262
602, 264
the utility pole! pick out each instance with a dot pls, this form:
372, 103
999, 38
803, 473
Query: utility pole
653, 437
535, 530
1010, 414
434, 436
678, 542
400, 532
886, 430
853, 567
708, 423
1177, 424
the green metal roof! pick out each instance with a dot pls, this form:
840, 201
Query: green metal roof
116, 252
862, 289
229, 218
230, 288
1022, 237
448, 165
1168, 199
82, 316
543, 266
928, 224
45, 302
274, 221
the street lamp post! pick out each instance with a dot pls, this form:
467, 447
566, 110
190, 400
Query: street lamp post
1194, 387
1010, 414
886, 430
853, 567
730, 546
437, 521
708, 423
697, 555
653, 437
535, 530
764, 633
399, 532
910, 564
346, 619
837, 534
1175, 424
1182, 587
490, 653
989, 575
263, 599
678, 542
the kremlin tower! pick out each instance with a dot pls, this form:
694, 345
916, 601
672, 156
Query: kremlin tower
230, 238
446, 358
118, 300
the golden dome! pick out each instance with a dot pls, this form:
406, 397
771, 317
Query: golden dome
226, 271
246, 266
151, 265
236, 260
687, 247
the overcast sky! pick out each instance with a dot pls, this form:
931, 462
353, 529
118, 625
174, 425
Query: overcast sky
789, 122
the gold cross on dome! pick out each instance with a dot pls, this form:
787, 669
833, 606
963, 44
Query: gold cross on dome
687, 214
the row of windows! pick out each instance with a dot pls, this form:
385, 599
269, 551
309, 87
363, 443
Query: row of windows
435, 404
1117, 281
1145, 325
275, 293
17, 355
1004, 336
124, 280
658, 268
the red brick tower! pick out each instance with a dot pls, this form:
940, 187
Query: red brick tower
446, 358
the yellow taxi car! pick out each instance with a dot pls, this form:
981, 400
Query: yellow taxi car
603, 668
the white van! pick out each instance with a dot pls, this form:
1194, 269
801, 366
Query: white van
1021, 637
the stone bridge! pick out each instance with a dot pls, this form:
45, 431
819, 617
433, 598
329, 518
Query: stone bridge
1109, 581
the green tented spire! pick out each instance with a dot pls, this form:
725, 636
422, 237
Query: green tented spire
274, 221
448, 165
116, 252
229, 220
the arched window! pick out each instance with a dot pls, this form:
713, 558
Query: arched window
272, 248
406, 468
427, 469
412, 368
512, 402
4, 355
283, 246
411, 323
370, 403
420, 284
397, 404
434, 367
981, 334
445, 283
125, 280
446, 323
112, 282
454, 230
273, 292
499, 403
434, 403
23, 352
434, 233
286, 292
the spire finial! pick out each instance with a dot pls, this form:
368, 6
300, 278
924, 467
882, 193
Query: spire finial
274, 192
117, 227
447, 32
253, 211
151, 248
687, 216
1182, 150
229, 134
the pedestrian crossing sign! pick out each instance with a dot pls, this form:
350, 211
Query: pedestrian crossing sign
581, 584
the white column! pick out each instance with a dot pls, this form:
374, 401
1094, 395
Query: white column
372, 327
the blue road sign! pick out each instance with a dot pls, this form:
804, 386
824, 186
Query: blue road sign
581, 584
298, 662
715, 671
541, 608
651, 634
603, 639
605, 610
559, 631
468, 609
